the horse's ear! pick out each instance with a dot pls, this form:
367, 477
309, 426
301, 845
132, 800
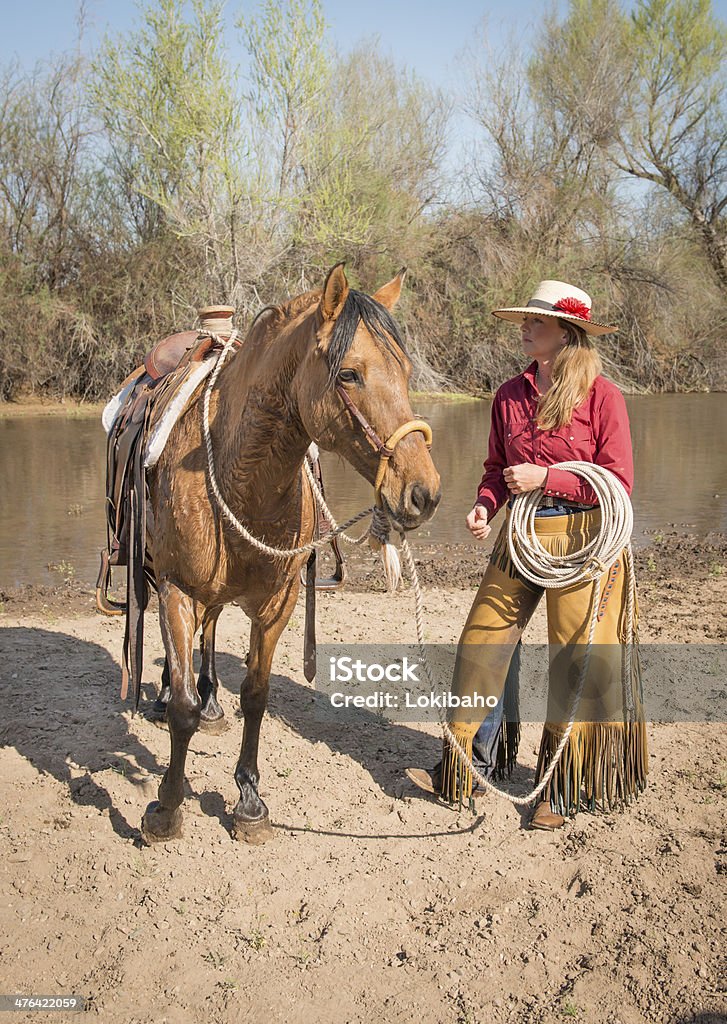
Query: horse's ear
335, 292
388, 294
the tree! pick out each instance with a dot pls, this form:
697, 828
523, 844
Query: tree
648, 90
535, 173
372, 165
167, 101
43, 134
676, 128
288, 83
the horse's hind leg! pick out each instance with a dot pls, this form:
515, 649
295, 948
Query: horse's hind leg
212, 717
251, 818
163, 819
158, 711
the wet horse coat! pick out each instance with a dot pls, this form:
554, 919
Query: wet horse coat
272, 398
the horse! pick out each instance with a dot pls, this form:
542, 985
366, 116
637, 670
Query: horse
328, 366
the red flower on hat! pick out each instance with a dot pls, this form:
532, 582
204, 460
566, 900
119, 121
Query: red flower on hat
574, 307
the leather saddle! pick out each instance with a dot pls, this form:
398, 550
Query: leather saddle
168, 353
155, 384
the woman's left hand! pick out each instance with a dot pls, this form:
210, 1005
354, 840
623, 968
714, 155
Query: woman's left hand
525, 477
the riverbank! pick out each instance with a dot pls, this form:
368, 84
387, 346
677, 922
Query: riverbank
428, 913
670, 558
37, 405
33, 405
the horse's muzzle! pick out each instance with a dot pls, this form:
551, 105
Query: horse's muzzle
419, 505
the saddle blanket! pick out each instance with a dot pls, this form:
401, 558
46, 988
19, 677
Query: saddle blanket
160, 434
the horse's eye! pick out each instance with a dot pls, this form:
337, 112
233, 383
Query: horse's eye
348, 377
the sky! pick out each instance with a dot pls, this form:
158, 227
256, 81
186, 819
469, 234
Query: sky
426, 36
429, 38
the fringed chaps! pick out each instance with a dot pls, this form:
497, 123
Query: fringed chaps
605, 762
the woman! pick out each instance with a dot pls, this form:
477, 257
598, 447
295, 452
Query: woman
559, 409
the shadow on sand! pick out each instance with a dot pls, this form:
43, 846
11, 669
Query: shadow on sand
62, 712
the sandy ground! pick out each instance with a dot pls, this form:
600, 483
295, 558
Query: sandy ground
371, 903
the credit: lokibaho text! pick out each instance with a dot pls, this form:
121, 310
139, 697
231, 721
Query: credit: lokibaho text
382, 699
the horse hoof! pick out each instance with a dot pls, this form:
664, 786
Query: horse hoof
253, 832
159, 825
214, 726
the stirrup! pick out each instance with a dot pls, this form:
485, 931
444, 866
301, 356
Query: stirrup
339, 575
104, 603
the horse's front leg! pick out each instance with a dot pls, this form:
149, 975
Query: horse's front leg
251, 817
212, 717
179, 622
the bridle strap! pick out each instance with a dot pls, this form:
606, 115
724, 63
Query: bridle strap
386, 448
367, 428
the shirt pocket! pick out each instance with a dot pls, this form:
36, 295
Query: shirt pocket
518, 441
572, 443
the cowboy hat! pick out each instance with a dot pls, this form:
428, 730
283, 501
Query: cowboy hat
564, 301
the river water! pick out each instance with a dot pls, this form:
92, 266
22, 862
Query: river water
52, 480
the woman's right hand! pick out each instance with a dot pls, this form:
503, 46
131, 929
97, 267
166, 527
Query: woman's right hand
477, 522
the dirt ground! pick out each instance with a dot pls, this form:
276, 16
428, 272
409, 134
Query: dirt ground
371, 903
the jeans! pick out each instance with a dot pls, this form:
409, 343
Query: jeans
484, 745
556, 510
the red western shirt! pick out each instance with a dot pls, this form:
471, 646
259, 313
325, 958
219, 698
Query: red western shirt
598, 432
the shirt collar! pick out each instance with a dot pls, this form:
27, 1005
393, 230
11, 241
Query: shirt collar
529, 374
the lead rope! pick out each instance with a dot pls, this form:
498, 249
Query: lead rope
378, 533
229, 514
526, 551
557, 571
380, 523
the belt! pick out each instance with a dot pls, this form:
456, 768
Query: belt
548, 501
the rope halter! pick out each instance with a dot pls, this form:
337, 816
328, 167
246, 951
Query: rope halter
380, 521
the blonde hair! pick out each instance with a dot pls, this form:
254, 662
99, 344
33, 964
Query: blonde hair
574, 370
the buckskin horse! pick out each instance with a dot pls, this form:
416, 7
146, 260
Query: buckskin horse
327, 366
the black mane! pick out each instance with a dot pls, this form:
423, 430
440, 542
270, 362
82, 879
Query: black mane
377, 319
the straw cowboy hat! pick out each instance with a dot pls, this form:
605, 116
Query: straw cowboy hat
556, 298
